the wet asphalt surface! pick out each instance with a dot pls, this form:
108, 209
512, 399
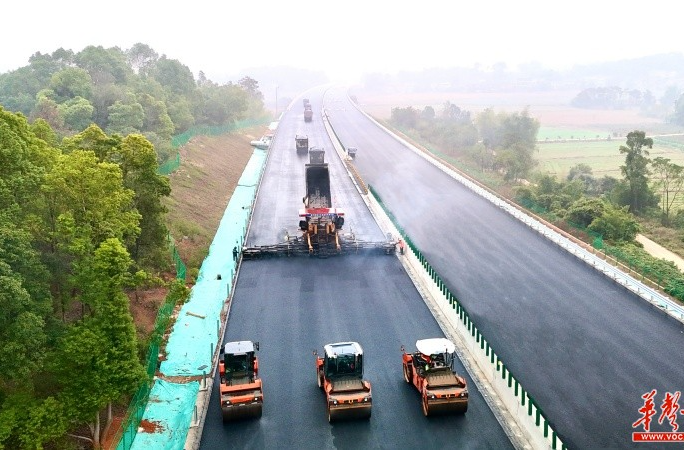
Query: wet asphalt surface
584, 347
297, 304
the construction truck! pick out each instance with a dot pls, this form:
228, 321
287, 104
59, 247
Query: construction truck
302, 143
308, 113
242, 395
340, 374
319, 221
430, 370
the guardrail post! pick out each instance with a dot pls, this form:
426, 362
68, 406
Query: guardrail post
195, 418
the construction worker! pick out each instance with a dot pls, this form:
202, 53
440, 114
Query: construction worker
401, 246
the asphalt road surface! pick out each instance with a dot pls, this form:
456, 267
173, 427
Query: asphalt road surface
295, 305
585, 348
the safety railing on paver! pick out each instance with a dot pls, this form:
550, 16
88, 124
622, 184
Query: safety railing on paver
533, 409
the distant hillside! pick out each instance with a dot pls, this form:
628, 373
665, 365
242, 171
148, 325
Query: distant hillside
654, 73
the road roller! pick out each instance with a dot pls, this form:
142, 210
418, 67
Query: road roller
340, 374
431, 370
242, 395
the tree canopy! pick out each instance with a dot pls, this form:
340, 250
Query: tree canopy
124, 92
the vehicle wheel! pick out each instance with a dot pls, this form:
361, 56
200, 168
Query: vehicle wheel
320, 379
407, 374
329, 415
426, 407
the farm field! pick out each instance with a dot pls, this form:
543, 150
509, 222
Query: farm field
603, 157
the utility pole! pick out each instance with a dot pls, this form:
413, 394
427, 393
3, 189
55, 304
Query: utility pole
276, 105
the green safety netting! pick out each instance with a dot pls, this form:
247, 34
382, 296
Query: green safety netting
195, 333
171, 405
167, 416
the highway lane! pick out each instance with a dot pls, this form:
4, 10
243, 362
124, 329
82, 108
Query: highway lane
295, 305
585, 348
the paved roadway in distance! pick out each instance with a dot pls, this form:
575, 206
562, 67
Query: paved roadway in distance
295, 305
585, 348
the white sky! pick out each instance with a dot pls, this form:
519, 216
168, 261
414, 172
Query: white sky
347, 38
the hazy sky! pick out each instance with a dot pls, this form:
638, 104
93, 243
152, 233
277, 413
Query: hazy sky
350, 37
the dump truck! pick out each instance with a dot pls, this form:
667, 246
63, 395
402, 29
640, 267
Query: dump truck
340, 375
242, 395
430, 370
302, 143
319, 221
308, 113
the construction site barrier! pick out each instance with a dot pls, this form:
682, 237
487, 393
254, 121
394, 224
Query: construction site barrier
173, 163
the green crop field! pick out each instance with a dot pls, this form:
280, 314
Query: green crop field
603, 157
549, 133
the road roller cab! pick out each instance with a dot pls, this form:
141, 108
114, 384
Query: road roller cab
240, 386
430, 370
340, 374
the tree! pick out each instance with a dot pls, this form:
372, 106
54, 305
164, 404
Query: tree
125, 118
94, 140
583, 173
670, 179
487, 123
71, 82
251, 86
221, 105
42, 130
635, 170
141, 57
405, 117
678, 114
77, 113
583, 211
155, 117
139, 166
516, 161
104, 65
428, 113
86, 203
99, 355
616, 224
174, 76
47, 109
22, 329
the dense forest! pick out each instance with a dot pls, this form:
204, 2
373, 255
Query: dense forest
124, 92
82, 227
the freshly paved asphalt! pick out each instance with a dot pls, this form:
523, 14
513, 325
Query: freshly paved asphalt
295, 305
585, 348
